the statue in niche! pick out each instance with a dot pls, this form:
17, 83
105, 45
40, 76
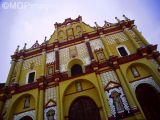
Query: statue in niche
50, 114
117, 101
27, 102
135, 72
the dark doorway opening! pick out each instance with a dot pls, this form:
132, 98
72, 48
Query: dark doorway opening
149, 99
76, 70
84, 108
26, 118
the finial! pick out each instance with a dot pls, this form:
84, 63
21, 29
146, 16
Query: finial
126, 18
24, 48
117, 19
36, 41
97, 26
17, 49
106, 23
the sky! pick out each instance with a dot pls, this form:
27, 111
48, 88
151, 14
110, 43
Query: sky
25, 21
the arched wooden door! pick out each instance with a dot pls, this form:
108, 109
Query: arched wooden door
149, 99
26, 118
84, 108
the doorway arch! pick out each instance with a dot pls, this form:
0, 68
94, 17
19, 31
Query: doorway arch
149, 99
84, 108
26, 118
76, 70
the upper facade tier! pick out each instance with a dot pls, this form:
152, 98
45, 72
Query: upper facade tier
72, 31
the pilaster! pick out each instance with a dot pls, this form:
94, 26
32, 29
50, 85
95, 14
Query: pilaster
19, 69
13, 63
130, 37
135, 30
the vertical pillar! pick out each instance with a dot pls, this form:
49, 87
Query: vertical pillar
89, 50
1, 105
43, 61
58, 103
106, 46
130, 37
19, 69
105, 103
128, 92
57, 60
13, 63
135, 30
40, 105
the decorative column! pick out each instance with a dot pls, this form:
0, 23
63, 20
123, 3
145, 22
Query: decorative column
128, 92
57, 59
43, 61
89, 50
58, 105
130, 37
134, 28
106, 107
41, 99
106, 46
19, 69
13, 63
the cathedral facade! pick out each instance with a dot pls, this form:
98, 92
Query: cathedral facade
81, 72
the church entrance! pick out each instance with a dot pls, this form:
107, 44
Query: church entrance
26, 118
84, 108
149, 99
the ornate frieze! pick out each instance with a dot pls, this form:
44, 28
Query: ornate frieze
83, 53
96, 44
35, 60
116, 38
50, 94
106, 77
111, 101
64, 58
50, 57
148, 80
50, 113
28, 113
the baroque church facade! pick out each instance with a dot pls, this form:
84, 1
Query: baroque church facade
81, 72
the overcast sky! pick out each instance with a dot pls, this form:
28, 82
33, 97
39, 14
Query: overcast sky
30, 20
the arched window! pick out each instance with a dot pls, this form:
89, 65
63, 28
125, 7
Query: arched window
50, 114
122, 50
117, 101
76, 70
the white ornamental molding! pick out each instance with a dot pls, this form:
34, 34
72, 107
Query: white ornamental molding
50, 94
50, 57
96, 44
118, 37
35, 60
106, 77
64, 58
51, 108
83, 53
123, 98
148, 80
28, 113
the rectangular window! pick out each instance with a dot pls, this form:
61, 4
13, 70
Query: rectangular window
31, 77
122, 51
